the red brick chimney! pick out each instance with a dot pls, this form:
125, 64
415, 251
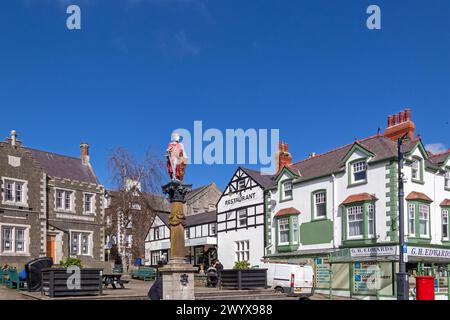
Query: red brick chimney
283, 157
84, 147
399, 125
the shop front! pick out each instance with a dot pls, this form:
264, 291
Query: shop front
369, 272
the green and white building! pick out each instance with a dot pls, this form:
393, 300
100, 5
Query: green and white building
338, 211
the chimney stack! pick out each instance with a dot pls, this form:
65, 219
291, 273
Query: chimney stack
399, 125
283, 157
84, 147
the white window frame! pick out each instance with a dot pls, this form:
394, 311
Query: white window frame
357, 167
415, 169
445, 224
24, 192
92, 206
359, 210
371, 220
153, 255
26, 240
283, 222
80, 234
427, 220
295, 230
447, 178
241, 219
412, 216
63, 200
212, 229
242, 250
320, 198
289, 189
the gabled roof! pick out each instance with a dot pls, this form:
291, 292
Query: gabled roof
264, 180
440, 158
56, 165
287, 212
414, 195
331, 162
360, 197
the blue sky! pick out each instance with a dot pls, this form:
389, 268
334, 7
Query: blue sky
140, 68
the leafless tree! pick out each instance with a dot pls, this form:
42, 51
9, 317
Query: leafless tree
134, 201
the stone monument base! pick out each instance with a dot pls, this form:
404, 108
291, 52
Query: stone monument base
178, 280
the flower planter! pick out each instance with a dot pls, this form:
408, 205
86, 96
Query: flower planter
55, 282
242, 279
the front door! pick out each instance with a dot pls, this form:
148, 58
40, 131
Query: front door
51, 247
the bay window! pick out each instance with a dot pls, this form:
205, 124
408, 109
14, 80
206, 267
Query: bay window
412, 219
424, 220
295, 230
355, 218
371, 220
283, 231
445, 224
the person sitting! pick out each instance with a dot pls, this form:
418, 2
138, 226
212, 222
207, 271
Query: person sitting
212, 277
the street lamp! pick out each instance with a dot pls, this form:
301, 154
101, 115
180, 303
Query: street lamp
402, 276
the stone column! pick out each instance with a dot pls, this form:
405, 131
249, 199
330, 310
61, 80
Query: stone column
178, 275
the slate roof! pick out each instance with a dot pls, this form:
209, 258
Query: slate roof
192, 220
331, 162
264, 180
56, 165
440, 158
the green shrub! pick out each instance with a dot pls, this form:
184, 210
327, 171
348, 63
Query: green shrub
241, 265
71, 262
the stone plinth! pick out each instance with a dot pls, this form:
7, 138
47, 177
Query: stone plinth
178, 275
178, 281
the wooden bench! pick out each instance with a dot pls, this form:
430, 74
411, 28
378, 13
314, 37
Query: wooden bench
12, 280
144, 273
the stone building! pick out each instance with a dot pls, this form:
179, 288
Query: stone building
51, 205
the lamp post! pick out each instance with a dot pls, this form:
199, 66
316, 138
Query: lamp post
402, 276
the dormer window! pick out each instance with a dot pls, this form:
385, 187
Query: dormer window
286, 191
447, 179
416, 170
359, 171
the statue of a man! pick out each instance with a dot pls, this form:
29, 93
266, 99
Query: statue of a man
176, 158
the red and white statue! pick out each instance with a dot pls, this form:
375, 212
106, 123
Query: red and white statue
176, 158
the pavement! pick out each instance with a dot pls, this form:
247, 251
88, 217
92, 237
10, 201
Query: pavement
134, 290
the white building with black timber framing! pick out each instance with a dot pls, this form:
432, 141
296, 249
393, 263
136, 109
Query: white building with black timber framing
240, 218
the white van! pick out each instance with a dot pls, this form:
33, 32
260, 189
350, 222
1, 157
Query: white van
279, 278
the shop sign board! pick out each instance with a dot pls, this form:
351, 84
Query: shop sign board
429, 252
381, 251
